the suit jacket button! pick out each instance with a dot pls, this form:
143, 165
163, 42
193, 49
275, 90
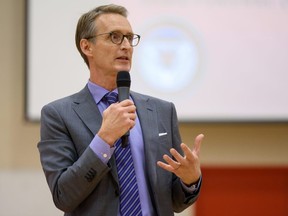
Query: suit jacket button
90, 175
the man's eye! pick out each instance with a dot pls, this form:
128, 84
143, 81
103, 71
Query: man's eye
116, 37
130, 37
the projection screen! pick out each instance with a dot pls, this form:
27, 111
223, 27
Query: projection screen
216, 60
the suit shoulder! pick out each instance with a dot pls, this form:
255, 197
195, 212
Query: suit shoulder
150, 98
68, 100
59, 102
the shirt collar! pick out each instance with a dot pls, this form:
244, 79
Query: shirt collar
97, 91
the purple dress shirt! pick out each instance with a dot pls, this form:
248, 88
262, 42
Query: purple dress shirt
104, 152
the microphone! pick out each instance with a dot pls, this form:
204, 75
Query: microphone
123, 85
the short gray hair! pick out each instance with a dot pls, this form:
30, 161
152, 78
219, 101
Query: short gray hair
86, 24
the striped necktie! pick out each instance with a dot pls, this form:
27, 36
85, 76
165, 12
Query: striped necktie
129, 194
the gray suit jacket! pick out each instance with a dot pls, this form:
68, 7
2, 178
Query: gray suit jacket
80, 183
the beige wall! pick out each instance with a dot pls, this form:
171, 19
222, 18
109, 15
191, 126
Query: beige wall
226, 143
18, 137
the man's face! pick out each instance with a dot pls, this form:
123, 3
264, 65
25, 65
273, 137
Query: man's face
109, 58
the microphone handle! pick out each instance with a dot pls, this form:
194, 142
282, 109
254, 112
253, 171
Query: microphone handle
123, 94
124, 140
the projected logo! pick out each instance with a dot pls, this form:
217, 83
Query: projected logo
168, 58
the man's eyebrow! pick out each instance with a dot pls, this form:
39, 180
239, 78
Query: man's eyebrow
119, 31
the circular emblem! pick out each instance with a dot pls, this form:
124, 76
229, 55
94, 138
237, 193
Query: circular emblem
168, 58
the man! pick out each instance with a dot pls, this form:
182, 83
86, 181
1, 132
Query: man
80, 135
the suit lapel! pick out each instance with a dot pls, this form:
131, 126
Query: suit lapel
87, 110
147, 115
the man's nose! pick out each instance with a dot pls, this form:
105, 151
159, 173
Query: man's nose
125, 43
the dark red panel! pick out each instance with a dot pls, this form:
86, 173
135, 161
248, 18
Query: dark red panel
243, 191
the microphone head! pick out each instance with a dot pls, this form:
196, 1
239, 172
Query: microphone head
123, 79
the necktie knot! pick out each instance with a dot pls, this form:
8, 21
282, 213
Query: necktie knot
111, 97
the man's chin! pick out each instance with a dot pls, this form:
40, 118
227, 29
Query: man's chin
123, 69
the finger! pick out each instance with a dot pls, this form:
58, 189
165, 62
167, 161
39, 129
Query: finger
190, 154
167, 166
197, 144
132, 123
131, 116
126, 102
174, 164
130, 109
187, 152
178, 157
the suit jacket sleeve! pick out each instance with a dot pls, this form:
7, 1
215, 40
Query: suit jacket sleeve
72, 170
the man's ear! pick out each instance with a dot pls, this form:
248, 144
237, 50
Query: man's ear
86, 47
